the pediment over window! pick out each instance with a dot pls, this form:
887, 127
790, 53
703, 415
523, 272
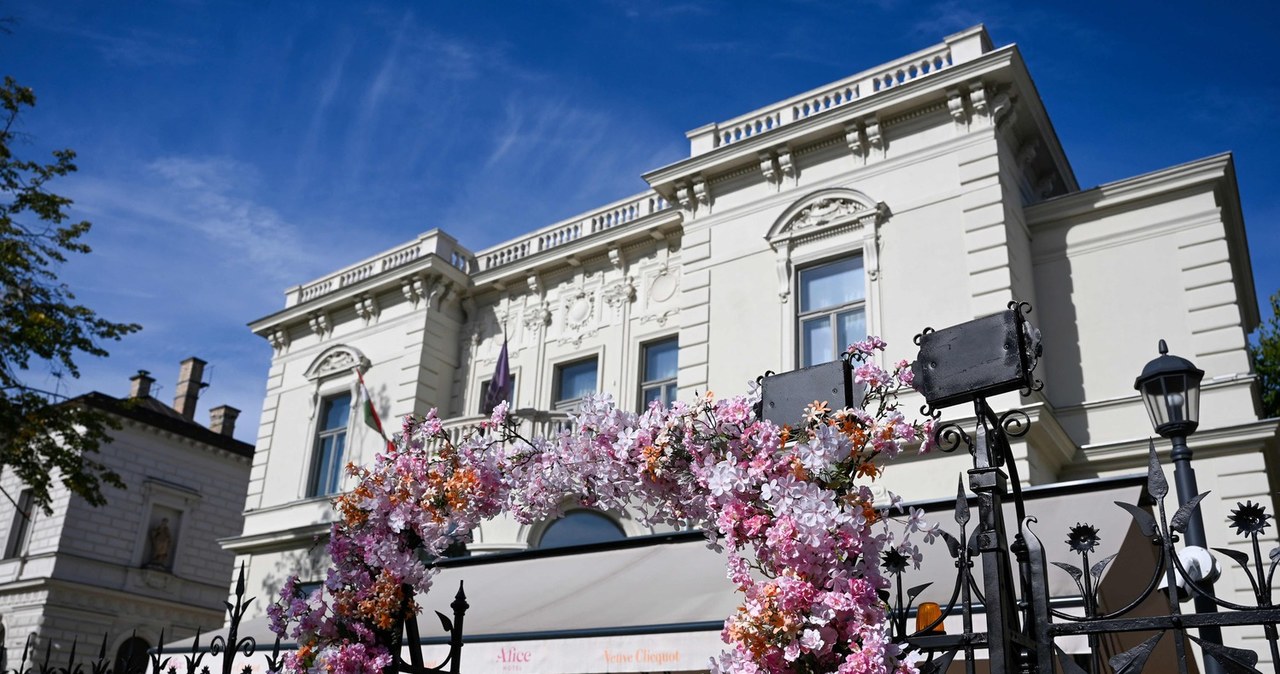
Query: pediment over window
339, 359
820, 223
827, 212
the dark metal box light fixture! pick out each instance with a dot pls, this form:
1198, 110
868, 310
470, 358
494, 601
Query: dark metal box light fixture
980, 358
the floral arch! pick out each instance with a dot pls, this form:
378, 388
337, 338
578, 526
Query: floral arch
791, 505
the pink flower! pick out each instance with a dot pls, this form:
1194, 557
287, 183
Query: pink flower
790, 517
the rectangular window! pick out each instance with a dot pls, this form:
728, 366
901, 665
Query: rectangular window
484, 389
20, 528
573, 381
832, 309
331, 445
658, 372
308, 588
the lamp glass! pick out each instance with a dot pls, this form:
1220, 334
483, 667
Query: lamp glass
1173, 402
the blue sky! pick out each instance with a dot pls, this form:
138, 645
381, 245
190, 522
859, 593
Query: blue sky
229, 150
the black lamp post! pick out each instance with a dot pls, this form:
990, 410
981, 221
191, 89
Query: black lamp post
1170, 388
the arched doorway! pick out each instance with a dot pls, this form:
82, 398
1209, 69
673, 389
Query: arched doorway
580, 527
131, 657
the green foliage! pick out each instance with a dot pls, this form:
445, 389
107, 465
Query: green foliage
41, 326
1266, 360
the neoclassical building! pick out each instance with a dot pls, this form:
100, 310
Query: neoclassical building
148, 562
922, 192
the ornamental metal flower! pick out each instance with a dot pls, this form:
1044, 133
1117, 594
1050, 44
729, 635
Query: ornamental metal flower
1249, 518
893, 561
1083, 538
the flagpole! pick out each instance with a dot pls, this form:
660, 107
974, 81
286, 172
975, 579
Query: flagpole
371, 418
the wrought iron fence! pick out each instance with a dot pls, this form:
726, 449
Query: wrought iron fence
968, 363
233, 651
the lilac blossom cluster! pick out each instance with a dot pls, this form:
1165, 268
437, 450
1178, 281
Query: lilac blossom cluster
792, 507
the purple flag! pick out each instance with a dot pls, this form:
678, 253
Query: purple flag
500, 386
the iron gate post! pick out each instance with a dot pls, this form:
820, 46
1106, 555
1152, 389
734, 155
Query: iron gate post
991, 484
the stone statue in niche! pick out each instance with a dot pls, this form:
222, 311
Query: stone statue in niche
161, 546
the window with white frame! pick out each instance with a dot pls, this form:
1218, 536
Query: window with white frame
575, 380
329, 455
658, 368
832, 309
20, 527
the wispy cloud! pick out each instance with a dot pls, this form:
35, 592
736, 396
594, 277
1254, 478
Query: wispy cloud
656, 11
206, 196
388, 72
553, 145
135, 46
193, 253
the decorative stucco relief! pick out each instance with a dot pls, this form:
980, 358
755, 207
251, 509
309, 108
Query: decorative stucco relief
824, 214
619, 294
340, 359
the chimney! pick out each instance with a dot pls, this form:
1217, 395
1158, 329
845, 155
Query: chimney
222, 420
189, 384
141, 384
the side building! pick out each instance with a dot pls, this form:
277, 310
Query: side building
924, 192
146, 561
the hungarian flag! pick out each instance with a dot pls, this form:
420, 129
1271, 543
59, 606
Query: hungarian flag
371, 414
500, 386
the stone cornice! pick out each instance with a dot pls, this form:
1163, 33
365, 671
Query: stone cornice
1216, 173
1204, 443
1122, 192
1135, 400
301, 313
274, 541
87, 591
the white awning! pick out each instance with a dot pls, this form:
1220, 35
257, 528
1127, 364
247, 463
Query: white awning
658, 603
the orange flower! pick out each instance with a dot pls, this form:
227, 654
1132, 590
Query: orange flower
652, 460
815, 410
797, 469
869, 469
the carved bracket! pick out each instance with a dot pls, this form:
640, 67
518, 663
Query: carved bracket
874, 138
785, 164
768, 167
320, 324
855, 140
955, 105
978, 99
416, 288
278, 338
367, 308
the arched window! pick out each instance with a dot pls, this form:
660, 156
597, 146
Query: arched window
131, 657
827, 246
580, 527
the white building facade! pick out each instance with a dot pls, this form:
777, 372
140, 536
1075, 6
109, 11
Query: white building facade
924, 192
145, 562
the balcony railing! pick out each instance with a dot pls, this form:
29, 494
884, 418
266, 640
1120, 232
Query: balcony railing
955, 49
435, 241
568, 231
530, 423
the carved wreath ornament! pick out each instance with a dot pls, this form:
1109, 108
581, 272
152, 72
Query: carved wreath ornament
793, 507
824, 211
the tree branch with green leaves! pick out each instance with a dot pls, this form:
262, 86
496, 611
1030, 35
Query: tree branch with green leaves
42, 327
1266, 360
